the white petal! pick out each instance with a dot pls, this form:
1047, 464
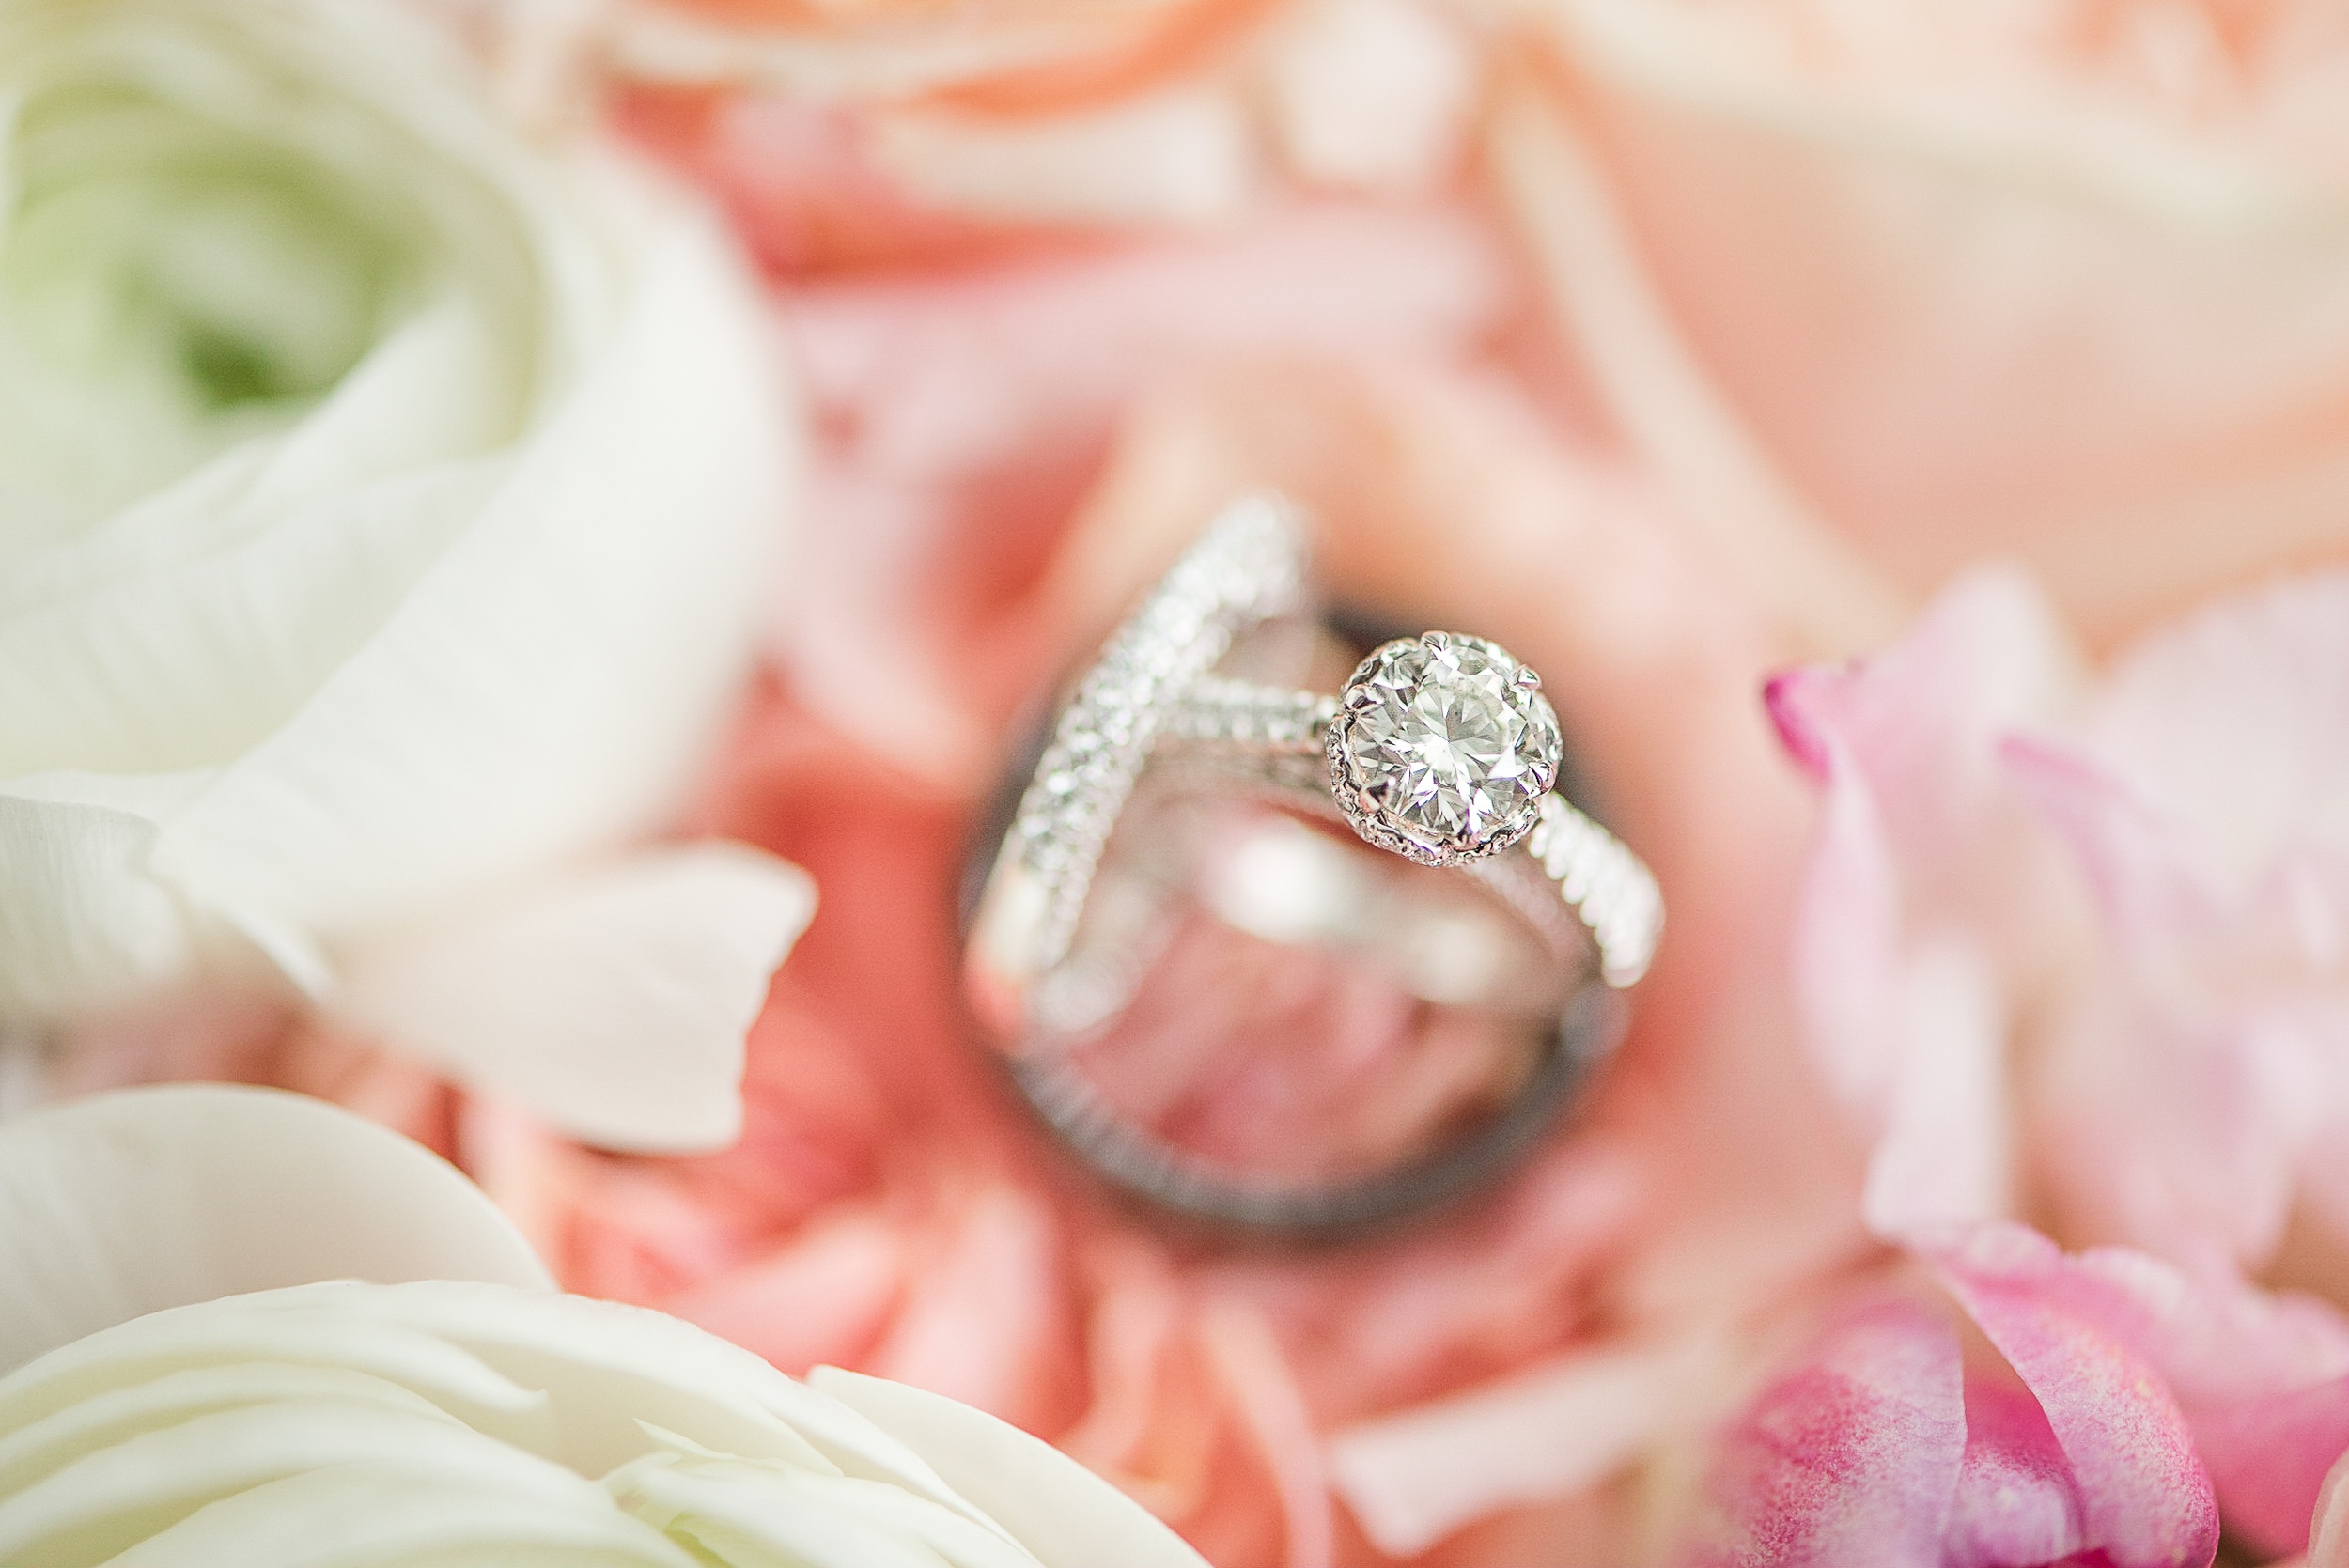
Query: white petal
48, 1443
97, 1506
188, 629
365, 1516
616, 1376
796, 1516
80, 920
307, 1326
118, 1206
1060, 1511
611, 1002
550, 681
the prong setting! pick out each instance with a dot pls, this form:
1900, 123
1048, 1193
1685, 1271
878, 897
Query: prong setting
1442, 748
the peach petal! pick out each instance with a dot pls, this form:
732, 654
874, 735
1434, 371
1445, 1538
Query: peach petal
1965, 298
1544, 1431
1180, 158
1370, 94
1679, 423
1254, 1374
981, 1315
821, 1300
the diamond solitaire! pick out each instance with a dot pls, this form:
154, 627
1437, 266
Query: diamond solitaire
1442, 748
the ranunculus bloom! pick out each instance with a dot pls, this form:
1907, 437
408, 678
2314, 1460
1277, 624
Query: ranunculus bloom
172, 1390
2076, 943
386, 514
1938, 280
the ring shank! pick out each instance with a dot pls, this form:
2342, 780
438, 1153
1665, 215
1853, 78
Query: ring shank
1271, 739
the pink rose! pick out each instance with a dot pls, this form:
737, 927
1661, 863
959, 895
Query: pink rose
1927, 282
2005, 1405
2074, 943
2070, 948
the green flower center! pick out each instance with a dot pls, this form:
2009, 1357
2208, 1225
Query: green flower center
192, 256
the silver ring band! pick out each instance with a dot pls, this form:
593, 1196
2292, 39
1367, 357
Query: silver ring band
1278, 738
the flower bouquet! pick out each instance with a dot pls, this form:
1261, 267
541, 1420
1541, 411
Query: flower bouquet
689, 874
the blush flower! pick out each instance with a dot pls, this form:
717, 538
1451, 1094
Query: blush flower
386, 506
1935, 281
2011, 1405
2075, 940
443, 1404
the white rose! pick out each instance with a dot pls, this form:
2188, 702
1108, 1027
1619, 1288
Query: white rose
401, 1423
385, 507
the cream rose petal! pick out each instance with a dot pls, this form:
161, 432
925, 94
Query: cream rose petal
123, 1205
78, 920
359, 1515
445, 576
347, 1422
613, 1002
551, 676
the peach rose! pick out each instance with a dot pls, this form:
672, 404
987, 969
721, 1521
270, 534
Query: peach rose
2067, 283
861, 133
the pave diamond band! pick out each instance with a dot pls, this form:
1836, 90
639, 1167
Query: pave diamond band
1248, 568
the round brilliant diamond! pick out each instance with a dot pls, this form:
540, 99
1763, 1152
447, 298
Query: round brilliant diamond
1443, 748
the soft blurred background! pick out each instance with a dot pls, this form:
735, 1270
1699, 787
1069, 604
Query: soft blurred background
1692, 349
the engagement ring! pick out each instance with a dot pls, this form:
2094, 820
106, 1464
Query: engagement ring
1227, 1004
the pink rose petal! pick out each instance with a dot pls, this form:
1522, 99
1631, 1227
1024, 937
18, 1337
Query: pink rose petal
2234, 718
1853, 1459
2145, 1499
2017, 1501
2264, 1381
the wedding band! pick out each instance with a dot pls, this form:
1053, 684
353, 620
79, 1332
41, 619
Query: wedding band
1440, 749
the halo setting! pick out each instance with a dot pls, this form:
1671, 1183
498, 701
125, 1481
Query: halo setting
1442, 748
